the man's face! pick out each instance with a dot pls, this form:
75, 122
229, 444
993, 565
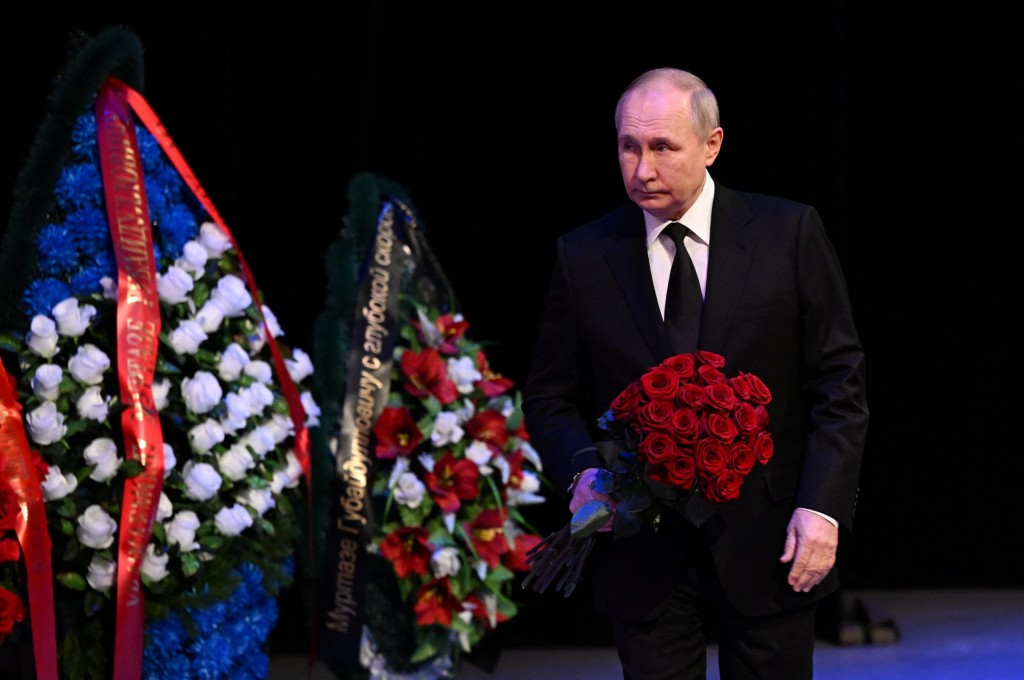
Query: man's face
661, 158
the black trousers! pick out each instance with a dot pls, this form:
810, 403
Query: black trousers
674, 646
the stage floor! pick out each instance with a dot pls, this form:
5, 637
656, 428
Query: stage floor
943, 635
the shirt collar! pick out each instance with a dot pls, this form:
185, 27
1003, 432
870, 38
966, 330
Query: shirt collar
697, 218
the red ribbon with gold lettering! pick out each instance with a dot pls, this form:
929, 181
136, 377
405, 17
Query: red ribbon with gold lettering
291, 393
138, 331
30, 526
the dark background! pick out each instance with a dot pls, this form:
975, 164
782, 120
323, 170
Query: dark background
895, 122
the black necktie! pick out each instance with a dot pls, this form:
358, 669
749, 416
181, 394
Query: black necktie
683, 301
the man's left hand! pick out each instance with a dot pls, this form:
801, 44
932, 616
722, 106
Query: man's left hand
811, 542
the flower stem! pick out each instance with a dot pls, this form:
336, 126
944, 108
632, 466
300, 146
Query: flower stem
558, 553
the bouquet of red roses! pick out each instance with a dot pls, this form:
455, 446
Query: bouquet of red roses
682, 436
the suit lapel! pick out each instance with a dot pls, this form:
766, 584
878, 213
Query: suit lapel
729, 258
626, 256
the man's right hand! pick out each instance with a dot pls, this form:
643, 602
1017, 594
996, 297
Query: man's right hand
583, 493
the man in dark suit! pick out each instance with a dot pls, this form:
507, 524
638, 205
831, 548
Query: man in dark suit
775, 304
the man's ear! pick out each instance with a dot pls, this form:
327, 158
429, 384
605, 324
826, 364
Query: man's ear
713, 146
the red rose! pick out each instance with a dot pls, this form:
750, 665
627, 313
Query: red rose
741, 386
742, 458
711, 359
12, 610
656, 448
759, 393
720, 396
692, 395
627, 402
747, 418
655, 415
682, 470
763, 447
712, 458
721, 426
681, 364
725, 487
685, 425
762, 415
710, 375
660, 384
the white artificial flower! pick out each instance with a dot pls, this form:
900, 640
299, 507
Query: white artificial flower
57, 485
174, 285
503, 466
446, 429
293, 469
193, 259
311, 408
109, 287
236, 462
89, 364
278, 481
46, 381
170, 460
231, 363
96, 528
205, 435
299, 366
527, 493
463, 372
154, 564
164, 508
281, 426
530, 454
258, 395
72, 319
445, 562
400, 467
101, 573
270, 320
409, 490
161, 390
187, 337
233, 520
259, 500
181, 530
46, 424
211, 316
102, 453
238, 412
202, 392
92, 405
213, 239
232, 295
202, 481
466, 411
257, 339
260, 439
479, 452
260, 371
42, 336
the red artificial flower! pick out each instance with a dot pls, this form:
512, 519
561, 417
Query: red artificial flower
515, 558
396, 432
12, 610
450, 328
488, 426
453, 481
427, 375
491, 384
409, 550
10, 551
487, 531
9, 506
435, 603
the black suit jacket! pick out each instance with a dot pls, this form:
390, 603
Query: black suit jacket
776, 305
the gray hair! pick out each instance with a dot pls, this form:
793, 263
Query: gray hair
703, 105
